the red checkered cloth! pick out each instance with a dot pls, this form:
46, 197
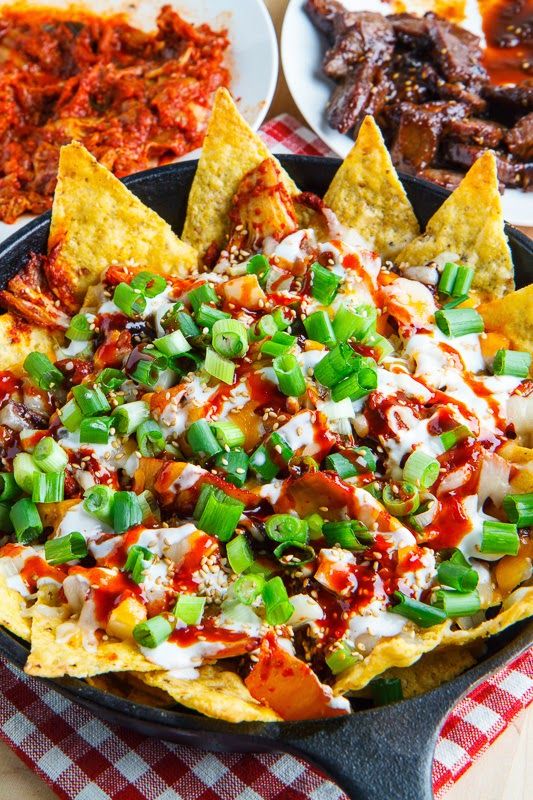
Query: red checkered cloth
83, 758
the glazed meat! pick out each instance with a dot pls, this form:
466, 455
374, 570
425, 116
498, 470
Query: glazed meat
423, 80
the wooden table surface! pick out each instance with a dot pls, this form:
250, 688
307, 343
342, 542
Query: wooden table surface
502, 773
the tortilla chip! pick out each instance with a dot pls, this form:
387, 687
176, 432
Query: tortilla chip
516, 607
216, 692
398, 651
513, 316
127, 686
96, 220
432, 670
18, 339
12, 608
50, 658
470, 223
230, 150
366, 194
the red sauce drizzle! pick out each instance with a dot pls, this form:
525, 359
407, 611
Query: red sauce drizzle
9, 385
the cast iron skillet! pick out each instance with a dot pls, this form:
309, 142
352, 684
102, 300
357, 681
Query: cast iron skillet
376, 754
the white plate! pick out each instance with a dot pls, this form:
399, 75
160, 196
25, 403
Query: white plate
252, 54
302, 50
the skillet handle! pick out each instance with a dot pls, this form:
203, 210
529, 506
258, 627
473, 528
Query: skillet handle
379, 755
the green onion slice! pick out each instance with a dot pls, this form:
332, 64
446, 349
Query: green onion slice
421, 469
423, 614
286, 528
239, 553
49, 456
149, 283
457, 604
126, 511
42, 372
48, 487
131, 302
189, 608
26, 521
247, 588
519, 509
278, 609
71, 547
401, 498
152, 632
512, 362
455, 322
500, 538
98, 502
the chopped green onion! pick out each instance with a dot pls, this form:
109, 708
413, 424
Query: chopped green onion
204, 293
341, 657
173, 344
447, 279
189, 608
71, 547
450, 438
99, 502
126, 511
220, 515
354, 323
259, 265
286, 528
518, 507
266, 326
456, 322
235, 466
457, 576
95, 430
9, 489
279, 344
457, 301
5, 522
228, 433
221, 368
386, 691
405, 500
421, 469
270, 457
148, 371
70, 415
355, 386
24, 468
26, 521
48, 487
365, 460
463, 281
319, 328
90, 401
110, 380
247, 588
423, 614
202, 440
500, 538
294, 554
206, 490
341, 465
336, 365
149, 283
136, 562
206, 316
239, 553
324, 284
152, 632
343, 533
512, 362
128, 417
280, 317
457, 604
149, 506
130, 301
150, 439
42, 372
230, 338
315, 524
289, 374
278, 609
381, 346
79, 329
49, 456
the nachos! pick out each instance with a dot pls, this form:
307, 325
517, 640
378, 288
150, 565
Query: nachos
262, 468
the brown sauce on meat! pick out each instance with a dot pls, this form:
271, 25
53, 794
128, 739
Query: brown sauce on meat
508, 29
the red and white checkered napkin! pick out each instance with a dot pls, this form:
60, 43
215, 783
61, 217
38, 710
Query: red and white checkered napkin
82, 758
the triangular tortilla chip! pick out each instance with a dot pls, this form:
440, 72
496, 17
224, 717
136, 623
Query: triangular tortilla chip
96, 220
53, 658
517, 606
513, 316
230, 150
216, 692
470, 223
19, 338
12, 606
366, 194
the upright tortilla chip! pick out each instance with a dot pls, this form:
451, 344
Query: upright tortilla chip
12, 607
19, 338
513, 316
398, 651
51, 657
97, 220
366, 194
470, 223
230, 150
216, 692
